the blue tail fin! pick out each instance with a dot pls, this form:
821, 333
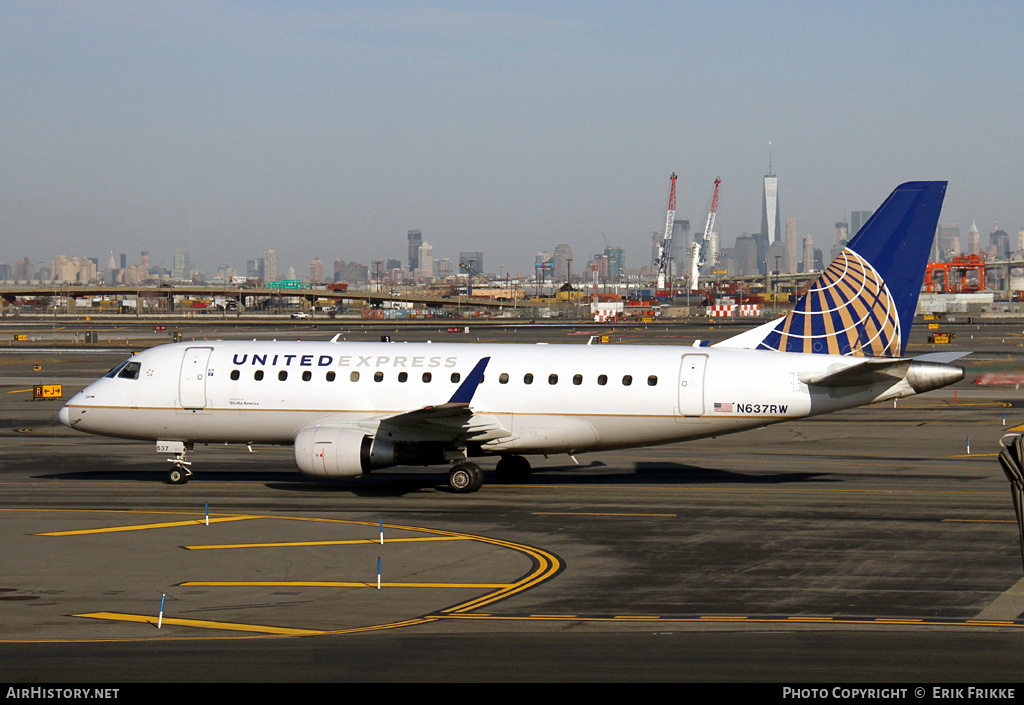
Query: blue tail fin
864, 303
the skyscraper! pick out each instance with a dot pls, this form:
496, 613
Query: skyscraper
791, 260
316, 271
425, 255
616, 257
769, 217
182, 268
947, 242
973, 240
808, 263
415, 240
270, 265
857, 220
561, 268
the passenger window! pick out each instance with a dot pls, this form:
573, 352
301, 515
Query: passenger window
282, 375
234, 374
627, 380
403, 376
552, 379
306, 375
528, 378
503, 378
602, 380
378, 376
426, 376
330, 376
652, 381
257, 375
456, 376
577, 379
353, 377
130, 371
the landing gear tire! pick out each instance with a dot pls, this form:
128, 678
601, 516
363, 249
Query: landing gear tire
177, 476
512, 469
465, 477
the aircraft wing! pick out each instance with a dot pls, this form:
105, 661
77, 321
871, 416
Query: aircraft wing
451, 421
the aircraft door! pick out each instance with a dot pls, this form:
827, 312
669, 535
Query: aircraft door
691, 385
192, 383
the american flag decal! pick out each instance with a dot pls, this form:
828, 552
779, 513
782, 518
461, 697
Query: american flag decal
723, 408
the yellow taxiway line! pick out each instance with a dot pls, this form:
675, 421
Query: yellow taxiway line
202, 623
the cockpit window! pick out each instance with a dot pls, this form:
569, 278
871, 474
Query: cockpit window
113, 372
130, 370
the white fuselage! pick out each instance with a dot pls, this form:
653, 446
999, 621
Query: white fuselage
544, 398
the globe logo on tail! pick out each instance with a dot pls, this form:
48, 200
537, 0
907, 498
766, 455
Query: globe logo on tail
848, 311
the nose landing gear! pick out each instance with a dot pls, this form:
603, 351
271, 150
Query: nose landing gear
179, 474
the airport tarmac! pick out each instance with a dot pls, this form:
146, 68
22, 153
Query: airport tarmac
867, 545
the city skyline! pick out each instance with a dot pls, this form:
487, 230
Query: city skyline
504, 129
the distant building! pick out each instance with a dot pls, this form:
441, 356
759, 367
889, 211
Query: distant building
1000, 241
270, 265
182, 267
857, 220
947, 242
744, 254
791, 261
807, 265
682, 247
616, 257
254, 269
425, 256
973, 240
770, 226
316, 271
471, 259
415, 238
353, 272
561, 263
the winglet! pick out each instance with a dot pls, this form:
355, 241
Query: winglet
464, 394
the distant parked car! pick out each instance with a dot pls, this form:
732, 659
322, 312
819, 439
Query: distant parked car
300, 314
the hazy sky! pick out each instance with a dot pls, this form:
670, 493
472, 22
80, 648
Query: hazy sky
331, 128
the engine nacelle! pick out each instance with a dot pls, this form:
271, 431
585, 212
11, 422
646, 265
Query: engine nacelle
326, 451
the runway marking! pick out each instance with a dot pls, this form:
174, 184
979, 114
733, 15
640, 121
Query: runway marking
17, 391
747, 619
292, 544
601, 514
202, 624
545, 565
947, 405
332, 583
142, 527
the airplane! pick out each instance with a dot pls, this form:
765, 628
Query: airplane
349, 408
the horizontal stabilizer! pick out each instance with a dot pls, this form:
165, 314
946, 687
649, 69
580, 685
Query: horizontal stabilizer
943, 356
870, 371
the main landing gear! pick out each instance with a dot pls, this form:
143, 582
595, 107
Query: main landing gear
467, 477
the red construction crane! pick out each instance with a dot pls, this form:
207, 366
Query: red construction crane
665, 251
700, 250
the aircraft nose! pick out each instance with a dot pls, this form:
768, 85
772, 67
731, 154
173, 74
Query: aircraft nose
64, 415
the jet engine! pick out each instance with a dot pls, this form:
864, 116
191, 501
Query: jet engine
328, 451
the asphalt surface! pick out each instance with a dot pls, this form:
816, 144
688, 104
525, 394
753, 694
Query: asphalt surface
865, 546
